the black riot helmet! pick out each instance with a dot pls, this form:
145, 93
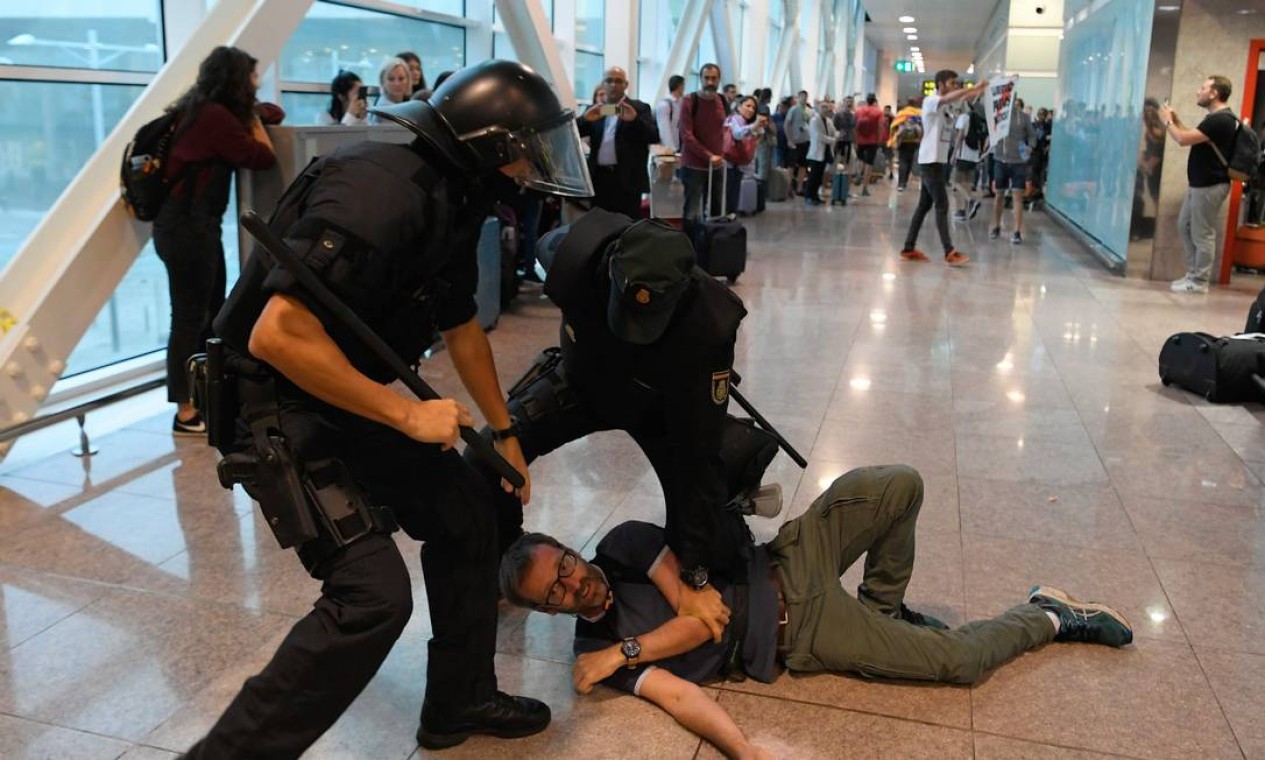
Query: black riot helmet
494, 114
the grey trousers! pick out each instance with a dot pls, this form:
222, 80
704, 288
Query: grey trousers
1197, 224
874, 511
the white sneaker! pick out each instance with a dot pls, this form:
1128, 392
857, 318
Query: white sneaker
1189, 286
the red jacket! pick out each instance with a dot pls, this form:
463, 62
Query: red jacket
215, 137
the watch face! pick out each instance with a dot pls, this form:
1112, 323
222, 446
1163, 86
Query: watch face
631, 648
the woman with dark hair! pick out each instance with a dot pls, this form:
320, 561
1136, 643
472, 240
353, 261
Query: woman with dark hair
415, 71
218, 131
347, 104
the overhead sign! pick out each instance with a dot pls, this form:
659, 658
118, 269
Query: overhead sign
905, 67
929, 86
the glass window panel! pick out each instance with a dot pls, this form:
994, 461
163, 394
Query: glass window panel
449, 7
335, 37
119, 35
502, 47
590, 20
588, 75
303, 108
1102, 73
45, 142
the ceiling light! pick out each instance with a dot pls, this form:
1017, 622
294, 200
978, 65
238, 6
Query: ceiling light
911, 37
906, 19
914, 48
910, 30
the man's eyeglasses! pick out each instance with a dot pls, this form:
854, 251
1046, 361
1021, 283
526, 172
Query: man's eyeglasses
566, 567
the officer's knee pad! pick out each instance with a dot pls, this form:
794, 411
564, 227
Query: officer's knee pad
542, 390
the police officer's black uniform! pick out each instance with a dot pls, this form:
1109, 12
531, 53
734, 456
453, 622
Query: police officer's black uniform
392, 231
669, 391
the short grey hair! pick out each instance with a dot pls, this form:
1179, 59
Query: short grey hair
517, 561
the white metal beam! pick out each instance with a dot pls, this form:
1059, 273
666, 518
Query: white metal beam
726, 46
533, 42
68, 268
785, 46
685, 44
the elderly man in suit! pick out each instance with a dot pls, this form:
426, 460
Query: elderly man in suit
620, 131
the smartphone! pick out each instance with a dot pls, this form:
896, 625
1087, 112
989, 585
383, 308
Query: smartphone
609, 109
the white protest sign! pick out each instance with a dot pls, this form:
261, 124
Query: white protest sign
1001, 101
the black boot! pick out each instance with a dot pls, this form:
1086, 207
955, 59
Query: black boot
499, 715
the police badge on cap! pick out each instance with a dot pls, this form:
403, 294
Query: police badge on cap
650, 267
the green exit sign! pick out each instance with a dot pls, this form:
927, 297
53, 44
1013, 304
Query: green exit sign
904, 66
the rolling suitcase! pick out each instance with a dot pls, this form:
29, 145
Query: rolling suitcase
721, 243
1219, 369
748, 196
839, 188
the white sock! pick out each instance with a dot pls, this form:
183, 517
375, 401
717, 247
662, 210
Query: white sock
1055, 620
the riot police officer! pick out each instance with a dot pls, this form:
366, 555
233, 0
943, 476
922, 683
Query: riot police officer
391, 230
647, 346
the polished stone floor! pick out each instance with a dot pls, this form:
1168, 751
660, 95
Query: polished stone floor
137, 595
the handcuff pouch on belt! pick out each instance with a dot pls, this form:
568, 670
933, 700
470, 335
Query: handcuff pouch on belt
316, 505
543, 389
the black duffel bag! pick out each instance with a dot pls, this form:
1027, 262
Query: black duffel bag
1219, 369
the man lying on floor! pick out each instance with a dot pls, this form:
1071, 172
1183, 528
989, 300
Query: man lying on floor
792, 610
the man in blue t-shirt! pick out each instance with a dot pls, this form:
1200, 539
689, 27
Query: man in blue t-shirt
632, 632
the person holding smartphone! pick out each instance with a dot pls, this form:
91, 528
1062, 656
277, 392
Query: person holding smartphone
620, 131
348, 105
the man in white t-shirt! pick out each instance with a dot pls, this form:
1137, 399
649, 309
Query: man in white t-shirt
971, 136
933, 157
667, 114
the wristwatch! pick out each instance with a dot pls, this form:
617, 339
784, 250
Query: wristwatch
509, 432
694, 577
631, 649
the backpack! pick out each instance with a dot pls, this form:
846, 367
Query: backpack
976, 130
141, 181
1244, 163
909, 131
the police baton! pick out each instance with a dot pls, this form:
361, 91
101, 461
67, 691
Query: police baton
286, 257
759, 418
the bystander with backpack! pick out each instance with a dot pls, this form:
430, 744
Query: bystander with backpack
971, 134
1208, 175
905, 137
217, 130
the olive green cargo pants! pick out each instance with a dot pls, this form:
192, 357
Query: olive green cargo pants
874, 511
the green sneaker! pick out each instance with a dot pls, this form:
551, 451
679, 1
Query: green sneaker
1087, 622
919, 618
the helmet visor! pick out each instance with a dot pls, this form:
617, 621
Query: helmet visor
555, 159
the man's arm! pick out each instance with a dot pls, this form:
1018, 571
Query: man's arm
677, 636
472, 356
663, 120
291, 339
642, 123
969, 93
1173, 123
693, 709
705, 604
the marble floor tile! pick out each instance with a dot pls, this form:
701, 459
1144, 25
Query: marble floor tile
28, 740
999, 573
1199, 532
930, 451
989, 747
25, 502
1021, 459
1148, 700
122, 665
1010, 420
1219, 606
1238, 680
789, 729
33, 601
1212, 474
1082, 516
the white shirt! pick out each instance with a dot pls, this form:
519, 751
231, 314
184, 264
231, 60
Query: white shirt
965, 153
606, 151
937, 131
667, 116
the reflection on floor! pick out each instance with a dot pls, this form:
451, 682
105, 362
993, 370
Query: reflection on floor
137, 595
